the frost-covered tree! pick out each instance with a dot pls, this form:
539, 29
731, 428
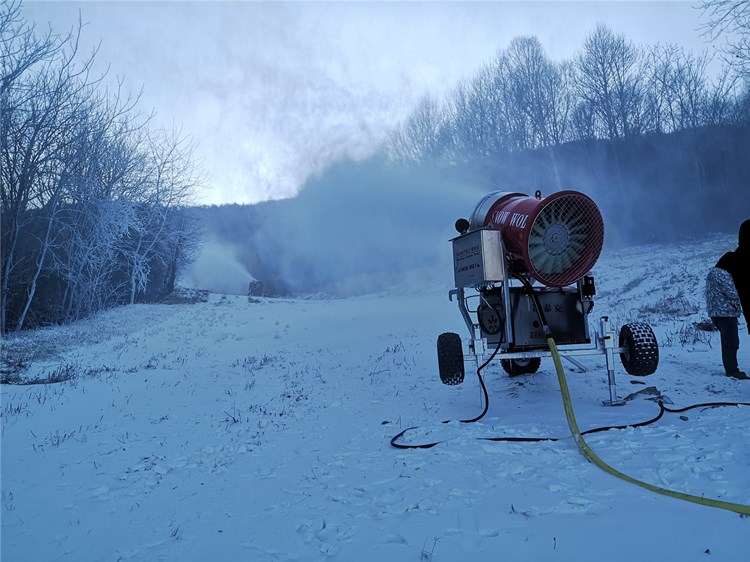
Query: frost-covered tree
44, 97
171, 179
90, 197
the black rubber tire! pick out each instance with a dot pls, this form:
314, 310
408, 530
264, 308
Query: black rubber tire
515, 367
641, 355
450, 358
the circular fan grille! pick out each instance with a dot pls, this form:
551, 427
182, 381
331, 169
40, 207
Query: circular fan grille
565, 240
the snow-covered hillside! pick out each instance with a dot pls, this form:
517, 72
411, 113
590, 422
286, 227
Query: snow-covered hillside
251, 431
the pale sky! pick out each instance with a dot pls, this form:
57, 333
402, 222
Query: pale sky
274, 91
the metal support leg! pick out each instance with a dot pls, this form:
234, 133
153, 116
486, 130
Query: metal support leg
461, 299
478, 346
608, 341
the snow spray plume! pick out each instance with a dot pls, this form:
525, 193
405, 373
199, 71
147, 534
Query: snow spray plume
217, 269
362, 227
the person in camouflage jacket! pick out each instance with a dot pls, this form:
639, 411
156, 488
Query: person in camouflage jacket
728, 296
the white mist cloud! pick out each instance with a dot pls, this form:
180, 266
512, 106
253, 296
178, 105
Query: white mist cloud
362, 226
217, 269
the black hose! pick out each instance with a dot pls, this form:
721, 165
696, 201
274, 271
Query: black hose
704, 405
532, 294
486, 395
484, 387
530, 291
662, 410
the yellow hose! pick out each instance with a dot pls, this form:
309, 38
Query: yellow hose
586, 451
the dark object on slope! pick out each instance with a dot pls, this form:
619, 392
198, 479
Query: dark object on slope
737, 263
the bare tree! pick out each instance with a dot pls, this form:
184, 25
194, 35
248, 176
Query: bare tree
422, 137
20, 49
172, 179
680, 93
542, 95
476, 110
730, 19
486, 112
44, 96
583, 122
181, 247
660, 110
98, 212
722, 98
90, 200
609, 82
86, 260
462, 126
510, 130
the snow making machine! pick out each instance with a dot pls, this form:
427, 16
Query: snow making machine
522, 274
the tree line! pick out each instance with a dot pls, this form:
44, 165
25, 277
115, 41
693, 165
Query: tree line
658, 135
95, 199
613, 90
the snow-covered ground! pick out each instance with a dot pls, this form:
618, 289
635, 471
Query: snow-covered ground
237, 431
